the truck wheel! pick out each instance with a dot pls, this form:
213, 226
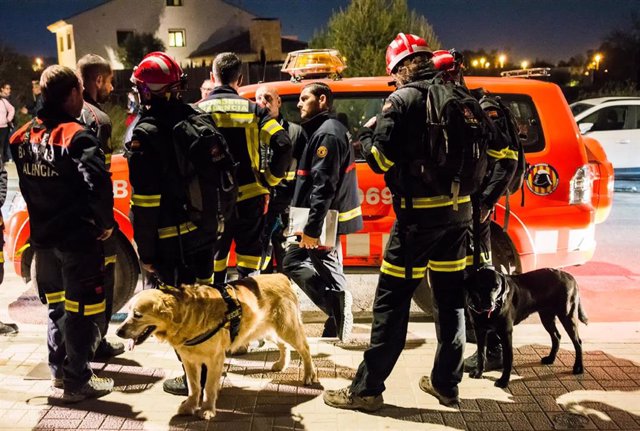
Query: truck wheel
504, 257
126, 272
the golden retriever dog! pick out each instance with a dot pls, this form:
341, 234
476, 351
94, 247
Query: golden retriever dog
269, 310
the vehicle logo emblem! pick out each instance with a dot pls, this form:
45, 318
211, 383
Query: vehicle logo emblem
542, 179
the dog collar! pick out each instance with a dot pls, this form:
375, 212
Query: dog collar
232, 316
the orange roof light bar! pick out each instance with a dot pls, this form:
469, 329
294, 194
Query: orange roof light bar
316, 62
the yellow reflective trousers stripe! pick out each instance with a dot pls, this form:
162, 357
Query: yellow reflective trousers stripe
55, 297
171, 231
433, 202
220, 265
400, 272
91, 309
246, 261
145, 200
504, 153
448, 265
252, 190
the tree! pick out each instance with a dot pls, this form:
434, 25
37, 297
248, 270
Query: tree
16, 69
136, 46
621, 52
362, 31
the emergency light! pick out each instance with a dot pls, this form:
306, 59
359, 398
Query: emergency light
314, 62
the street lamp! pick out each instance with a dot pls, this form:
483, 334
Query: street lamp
524, 64
482, 61
474, 63
597, 59
37, 64
502, 59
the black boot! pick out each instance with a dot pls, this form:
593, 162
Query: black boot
8, 328
330, 330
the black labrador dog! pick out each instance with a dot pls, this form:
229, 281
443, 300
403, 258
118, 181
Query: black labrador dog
497, 302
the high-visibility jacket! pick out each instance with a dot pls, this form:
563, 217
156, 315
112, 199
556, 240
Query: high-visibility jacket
244, 125
64, 181
99, 123
326, 177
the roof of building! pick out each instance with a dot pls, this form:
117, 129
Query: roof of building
241, 44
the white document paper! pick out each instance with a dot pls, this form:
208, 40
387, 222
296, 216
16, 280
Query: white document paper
298, 220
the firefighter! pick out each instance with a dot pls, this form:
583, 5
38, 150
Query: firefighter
278, 214
326, 180
172, 250
97, 78
429, 234
68, 192
244, 125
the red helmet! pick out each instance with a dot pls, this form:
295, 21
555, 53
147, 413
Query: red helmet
402, 47
157, 73
443, 60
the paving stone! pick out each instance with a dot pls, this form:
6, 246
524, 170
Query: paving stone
454, 420
483, 417
519, 421
488, 426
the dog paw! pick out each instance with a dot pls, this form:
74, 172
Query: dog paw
475, 374
187, 408
311, 379
501, 383
206, 414
547, 360
277, 366
578, 369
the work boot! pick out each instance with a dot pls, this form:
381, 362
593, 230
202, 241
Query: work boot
345, 399
8, 328
107, 350
176, 386
342, 313
449, 401
330, 330
94, 388
493, 360
57, 382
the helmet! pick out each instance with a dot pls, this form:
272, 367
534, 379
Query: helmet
443, 60
402, 47
158, 73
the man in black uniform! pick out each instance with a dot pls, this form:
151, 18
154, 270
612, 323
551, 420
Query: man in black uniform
97, 78
326, 180
68, 192
428, 234
171, 247
245, 125
278, 214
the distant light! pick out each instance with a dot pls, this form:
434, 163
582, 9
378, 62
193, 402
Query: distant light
502, 59
474, 63
524, 64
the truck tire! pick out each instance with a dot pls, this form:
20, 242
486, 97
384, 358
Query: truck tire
504, 257
126, 272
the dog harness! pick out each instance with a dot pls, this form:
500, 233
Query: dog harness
232, 317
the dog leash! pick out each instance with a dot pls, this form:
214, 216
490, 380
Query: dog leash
232, 316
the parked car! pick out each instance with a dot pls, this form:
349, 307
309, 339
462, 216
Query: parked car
615, 123
568, 187
583, 105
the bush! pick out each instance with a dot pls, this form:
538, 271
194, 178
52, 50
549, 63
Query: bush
612, 89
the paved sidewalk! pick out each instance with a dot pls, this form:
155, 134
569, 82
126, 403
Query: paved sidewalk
539, 397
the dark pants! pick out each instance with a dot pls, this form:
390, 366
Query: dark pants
73, 284
5, 133
484, 242
318, 272
191, 266
110, 258
246, 228
410, 252
273, 241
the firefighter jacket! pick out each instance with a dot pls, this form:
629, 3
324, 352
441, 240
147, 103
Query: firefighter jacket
390, 150
244, 125
99, 123
158, 209
282, 193
64, 181
326, 176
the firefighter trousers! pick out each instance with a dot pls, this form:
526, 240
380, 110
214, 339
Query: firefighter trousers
246, 228
73, 285
318, 272
411, 251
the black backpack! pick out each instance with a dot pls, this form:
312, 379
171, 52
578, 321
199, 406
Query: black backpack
507, 126
455, 140
207, 171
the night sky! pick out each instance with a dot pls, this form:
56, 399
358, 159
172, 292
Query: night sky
546, 29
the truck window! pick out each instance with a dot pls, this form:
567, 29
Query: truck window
528, 121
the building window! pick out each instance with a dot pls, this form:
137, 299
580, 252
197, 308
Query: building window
174, 2
68, 40
60, 44
177, 38
122, 35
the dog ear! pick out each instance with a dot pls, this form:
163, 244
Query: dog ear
166, 308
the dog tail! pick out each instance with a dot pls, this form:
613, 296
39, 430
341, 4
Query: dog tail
581, 314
